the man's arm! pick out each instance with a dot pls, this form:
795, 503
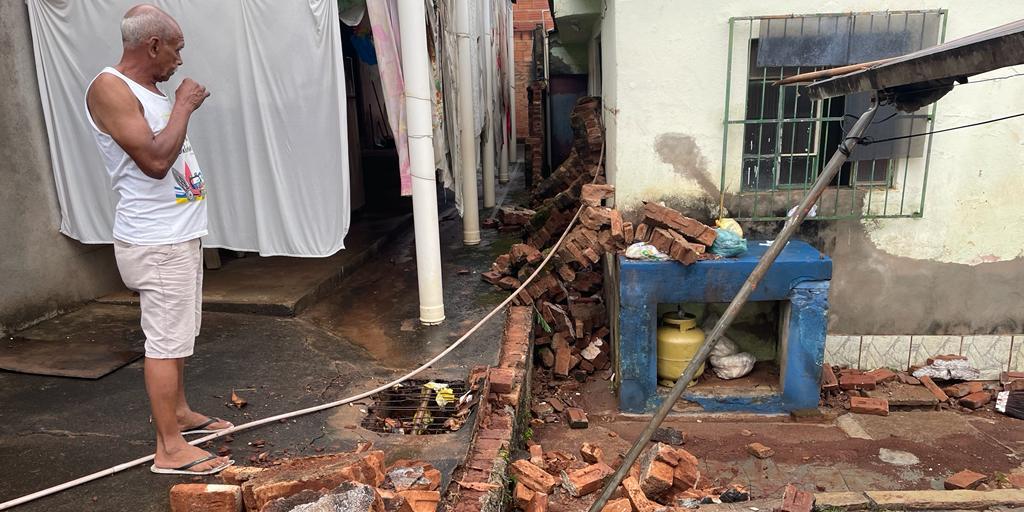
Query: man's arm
118, 113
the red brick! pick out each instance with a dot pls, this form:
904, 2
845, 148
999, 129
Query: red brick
662, 240
828, 378
976, 400
420, 501
760, 451
619, 505
313, 473
685, 476
537, 456
591, 453
947, 357
593, 194
930, 384
627, 232
661, 216
509, 283
491, 277
582, 482
641, 233
523, 253
539, 503
874, 406
502, 380
522, 495
965, 479
534, 478
882, 375
857, 381
563, 355
906, 378
235, 475
795, 500
636, 495
656, 478
577, 418
963, 389
206, 498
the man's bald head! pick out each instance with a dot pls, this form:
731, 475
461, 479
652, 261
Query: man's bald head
143, 22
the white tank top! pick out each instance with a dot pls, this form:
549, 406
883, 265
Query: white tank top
151, 211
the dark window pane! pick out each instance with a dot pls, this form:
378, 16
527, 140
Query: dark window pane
762, 100
795, 105
757, 173
873, 171
798, 137
759, 139
795, 170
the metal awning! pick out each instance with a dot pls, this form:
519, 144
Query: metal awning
922, 77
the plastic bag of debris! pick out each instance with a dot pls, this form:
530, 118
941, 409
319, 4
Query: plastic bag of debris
642, 251
734, 366
948, 369
725, 346
728, 244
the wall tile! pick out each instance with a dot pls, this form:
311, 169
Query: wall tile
884, 352
842, 350
989, 353
923, 347
1017, 354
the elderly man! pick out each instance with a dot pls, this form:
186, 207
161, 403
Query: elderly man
160, 217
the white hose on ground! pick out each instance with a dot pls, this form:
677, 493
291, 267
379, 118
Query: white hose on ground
239, 428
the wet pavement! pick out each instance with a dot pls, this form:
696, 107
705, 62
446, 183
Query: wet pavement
364, 334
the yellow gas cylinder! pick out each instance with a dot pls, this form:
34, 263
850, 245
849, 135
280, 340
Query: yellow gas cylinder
678, 341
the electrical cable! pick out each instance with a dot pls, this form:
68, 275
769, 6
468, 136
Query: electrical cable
867, 141
253, 424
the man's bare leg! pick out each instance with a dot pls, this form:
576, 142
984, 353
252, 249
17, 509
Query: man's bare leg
163, 383
188, 418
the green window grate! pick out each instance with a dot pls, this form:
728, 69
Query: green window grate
776, 140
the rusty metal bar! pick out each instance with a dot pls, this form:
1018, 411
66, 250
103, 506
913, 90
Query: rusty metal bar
792, 223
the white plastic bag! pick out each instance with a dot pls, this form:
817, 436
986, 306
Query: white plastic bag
734, 366
725, 346
642, 251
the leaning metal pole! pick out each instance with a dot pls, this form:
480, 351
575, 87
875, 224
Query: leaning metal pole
792, 223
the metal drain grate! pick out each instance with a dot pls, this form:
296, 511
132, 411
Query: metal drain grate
412, 408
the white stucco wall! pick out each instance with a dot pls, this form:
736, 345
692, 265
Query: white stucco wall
664, 74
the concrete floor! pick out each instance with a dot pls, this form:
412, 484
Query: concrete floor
846, 453
364, 334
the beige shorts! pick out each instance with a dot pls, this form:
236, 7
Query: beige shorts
169, 279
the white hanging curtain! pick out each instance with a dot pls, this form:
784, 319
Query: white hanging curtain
272, 137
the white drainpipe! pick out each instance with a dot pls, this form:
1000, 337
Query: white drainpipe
488, 152
513, 135
418, 111
467, 139
508, 144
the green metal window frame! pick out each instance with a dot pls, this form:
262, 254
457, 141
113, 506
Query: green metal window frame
792, 192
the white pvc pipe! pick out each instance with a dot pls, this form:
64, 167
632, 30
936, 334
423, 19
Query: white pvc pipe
488, 152
513, 135
419, 123
507, 139
467, 137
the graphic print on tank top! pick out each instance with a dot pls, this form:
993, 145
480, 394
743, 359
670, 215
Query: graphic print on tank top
189, 184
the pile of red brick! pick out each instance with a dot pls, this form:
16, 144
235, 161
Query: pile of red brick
865, 392
663, 476
355, 481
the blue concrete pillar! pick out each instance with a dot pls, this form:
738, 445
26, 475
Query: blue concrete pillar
638, 349
805, 345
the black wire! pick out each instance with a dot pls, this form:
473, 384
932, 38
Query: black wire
866, 141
